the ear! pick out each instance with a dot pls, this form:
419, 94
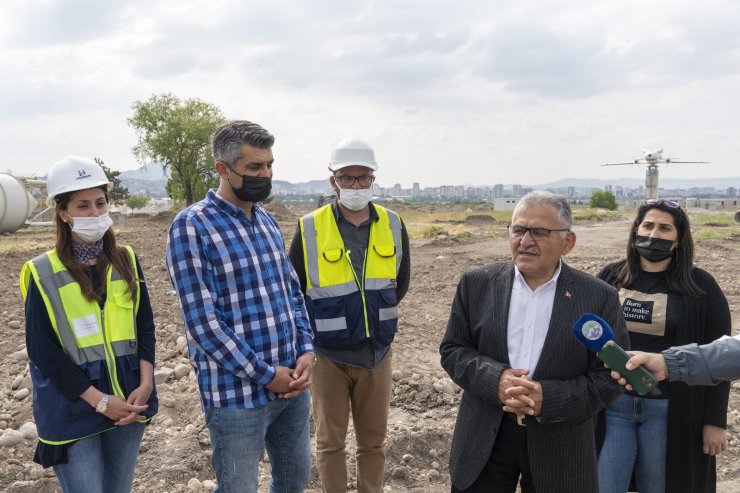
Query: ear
334, 186
569, 242
221, 169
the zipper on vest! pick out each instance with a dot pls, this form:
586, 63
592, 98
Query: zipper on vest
361, 286
110, 360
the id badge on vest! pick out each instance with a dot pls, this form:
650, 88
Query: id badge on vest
85, 326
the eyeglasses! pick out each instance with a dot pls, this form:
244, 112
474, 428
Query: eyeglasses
668, 203
347, 181
516, 231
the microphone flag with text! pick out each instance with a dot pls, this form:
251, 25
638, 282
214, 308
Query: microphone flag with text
595, 333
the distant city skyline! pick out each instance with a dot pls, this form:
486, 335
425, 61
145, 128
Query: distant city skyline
151, 181
487, 192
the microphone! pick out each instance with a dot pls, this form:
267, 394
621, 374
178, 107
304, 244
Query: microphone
595, 333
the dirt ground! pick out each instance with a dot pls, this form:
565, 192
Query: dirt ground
175, 454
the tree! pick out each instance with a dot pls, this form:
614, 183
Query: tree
118, 193
604, 200
178, 134
136, 202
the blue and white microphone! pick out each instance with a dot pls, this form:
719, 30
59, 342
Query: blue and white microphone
595, 333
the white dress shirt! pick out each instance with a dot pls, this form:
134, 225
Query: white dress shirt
529, 318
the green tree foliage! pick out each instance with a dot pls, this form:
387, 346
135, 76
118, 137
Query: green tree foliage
177, 133
603, 200
118, 193
136, 202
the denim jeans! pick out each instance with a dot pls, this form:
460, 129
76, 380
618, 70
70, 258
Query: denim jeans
239, 436
636, 435
102, 463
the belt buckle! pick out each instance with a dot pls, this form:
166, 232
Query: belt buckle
520, 420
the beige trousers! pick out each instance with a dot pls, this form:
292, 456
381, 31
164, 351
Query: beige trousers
337, 387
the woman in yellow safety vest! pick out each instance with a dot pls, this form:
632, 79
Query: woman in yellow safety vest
90, 339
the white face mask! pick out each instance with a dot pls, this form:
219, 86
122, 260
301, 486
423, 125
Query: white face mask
355, 199
91, 229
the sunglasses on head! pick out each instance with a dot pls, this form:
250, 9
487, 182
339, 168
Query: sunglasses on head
668, 203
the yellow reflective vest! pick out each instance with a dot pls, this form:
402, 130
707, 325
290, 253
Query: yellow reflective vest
343, 310
103, 343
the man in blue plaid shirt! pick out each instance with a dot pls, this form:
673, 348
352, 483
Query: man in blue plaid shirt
249, 336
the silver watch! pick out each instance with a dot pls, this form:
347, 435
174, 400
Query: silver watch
102, 406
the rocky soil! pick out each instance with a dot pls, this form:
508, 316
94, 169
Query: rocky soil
175, 454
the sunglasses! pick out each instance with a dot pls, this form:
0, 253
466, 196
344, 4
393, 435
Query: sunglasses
668, 203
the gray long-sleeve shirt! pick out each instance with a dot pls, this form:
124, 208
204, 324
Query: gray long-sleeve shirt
708, 364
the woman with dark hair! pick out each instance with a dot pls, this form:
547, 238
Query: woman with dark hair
90, 339
669, 441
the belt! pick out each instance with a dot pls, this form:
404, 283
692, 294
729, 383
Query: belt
519, 420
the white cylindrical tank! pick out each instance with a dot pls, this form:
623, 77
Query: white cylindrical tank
16, 203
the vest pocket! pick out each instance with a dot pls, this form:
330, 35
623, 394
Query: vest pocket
329, 320
119, 314
128, 373
333, 255
387, 317
385, 250
78, 407
48, 402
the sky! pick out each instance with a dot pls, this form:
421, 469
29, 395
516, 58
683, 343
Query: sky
447, 92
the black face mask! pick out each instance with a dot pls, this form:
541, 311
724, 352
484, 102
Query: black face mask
653, 249
253, 189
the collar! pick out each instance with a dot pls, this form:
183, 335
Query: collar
231, 209
553, 280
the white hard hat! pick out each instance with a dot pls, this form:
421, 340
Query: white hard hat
71, 174
352, 152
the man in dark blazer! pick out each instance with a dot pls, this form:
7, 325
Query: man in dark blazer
531, 390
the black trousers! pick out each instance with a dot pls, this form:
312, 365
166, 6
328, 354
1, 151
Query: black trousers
507, 463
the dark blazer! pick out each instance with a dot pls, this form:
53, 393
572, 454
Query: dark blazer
575, 384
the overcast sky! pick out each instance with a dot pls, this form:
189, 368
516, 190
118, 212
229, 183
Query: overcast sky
448, 92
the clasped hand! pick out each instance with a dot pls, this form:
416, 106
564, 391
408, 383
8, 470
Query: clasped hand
126, 412
519, 394
290, 382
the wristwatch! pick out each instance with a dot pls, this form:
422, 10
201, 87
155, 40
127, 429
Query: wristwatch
102, 406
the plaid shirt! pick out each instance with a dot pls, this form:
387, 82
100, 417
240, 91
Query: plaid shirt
240, 298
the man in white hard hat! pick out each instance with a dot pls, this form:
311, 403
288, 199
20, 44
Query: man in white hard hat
352, 258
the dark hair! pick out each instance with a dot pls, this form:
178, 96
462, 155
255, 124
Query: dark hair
679, 272
112, 254
229, 137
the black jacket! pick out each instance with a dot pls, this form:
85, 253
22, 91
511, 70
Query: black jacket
707, 318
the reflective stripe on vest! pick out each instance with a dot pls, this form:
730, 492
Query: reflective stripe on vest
329, 271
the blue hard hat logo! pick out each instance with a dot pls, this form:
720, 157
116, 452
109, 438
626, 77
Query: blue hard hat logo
81, 173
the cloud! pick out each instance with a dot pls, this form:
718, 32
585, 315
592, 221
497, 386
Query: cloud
449, 92
50, 22
535, 59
